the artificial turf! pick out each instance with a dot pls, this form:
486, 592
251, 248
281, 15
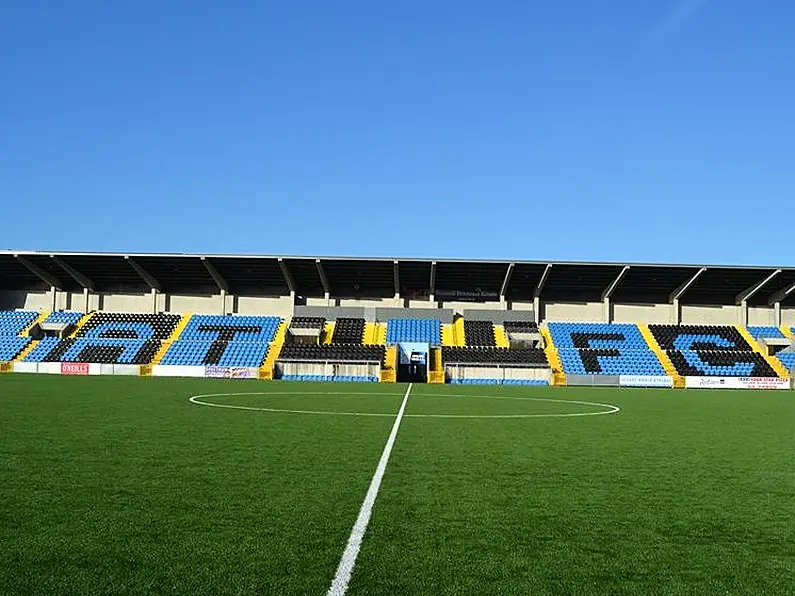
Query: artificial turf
121, 486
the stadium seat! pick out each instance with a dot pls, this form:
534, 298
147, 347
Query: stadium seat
338, 353
107, 338
604, 349
710, 350
414, 330
520, 327
64, 316
765, 332
331, 378
348, 331
479, 333
468, 355
308, 323
12, 324
506, 382
787, 359
223, 340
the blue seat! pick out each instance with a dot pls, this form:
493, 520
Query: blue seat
414, 330
604, 349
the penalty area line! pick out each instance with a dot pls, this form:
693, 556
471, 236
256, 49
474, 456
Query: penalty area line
339, 585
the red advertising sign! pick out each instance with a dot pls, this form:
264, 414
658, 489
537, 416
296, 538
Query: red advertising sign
74, 368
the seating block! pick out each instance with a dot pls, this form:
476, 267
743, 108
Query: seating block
604, 349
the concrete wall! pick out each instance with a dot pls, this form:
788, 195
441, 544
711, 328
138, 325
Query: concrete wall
710, 315
586, 312
368, 302
515, 305
126, 302
280, 306
419, 304
761, 315
460, 307
202, 305
319, 302
283, 306
660, 314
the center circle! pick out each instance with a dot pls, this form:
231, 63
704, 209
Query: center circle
597, 409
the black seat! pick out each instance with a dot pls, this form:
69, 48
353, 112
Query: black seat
520, 326
348, 331
491, 355
479, 333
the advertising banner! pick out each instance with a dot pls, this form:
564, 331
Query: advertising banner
26, 367
75, 368
645, 381
164, 370
736, 383
231, 372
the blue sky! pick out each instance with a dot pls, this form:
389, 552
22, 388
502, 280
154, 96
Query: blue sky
660, 131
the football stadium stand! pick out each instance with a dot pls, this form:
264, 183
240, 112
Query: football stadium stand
414, 330
363, 319
604, 349
223, 340
711, 350
12, 326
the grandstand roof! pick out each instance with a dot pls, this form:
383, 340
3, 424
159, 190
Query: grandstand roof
447, 279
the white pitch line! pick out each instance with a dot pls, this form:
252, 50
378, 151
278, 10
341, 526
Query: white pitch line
339, 584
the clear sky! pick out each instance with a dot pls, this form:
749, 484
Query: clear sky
628, 130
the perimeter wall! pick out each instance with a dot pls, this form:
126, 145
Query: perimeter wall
283, 306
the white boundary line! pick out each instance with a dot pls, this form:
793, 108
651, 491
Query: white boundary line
610, 408
339, 584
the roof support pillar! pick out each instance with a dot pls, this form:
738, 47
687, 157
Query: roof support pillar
779, 296
219, 279
506, 282
44, 276
614, 284
396, 280
679, 292
777, 313
143, 274
432, 282
83, 280
608, 293
542, 282
754, 289
288, 277
323, 279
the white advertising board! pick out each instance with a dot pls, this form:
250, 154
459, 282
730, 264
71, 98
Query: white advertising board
736, 383
645, 381
162, 370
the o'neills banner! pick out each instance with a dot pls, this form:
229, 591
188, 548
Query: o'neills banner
736, 383
74, 368
231, 372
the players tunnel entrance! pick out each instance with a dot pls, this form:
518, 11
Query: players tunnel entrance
412, 362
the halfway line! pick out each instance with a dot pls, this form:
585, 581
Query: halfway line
339, 584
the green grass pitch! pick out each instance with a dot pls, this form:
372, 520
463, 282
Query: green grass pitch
122, 486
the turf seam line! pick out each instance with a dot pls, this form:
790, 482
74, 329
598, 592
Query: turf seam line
339, 585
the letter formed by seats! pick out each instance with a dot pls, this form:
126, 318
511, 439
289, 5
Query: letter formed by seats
223, 340
110, 338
